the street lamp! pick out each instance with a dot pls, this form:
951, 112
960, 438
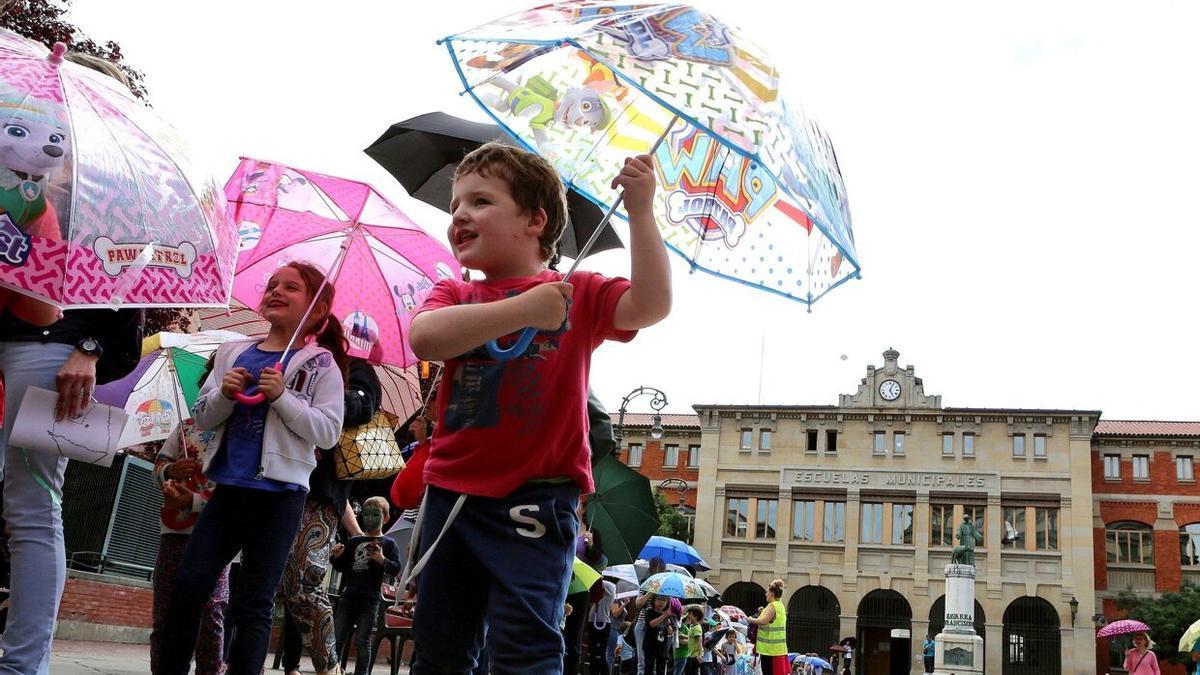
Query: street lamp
657, 402
678, 485
1074, 609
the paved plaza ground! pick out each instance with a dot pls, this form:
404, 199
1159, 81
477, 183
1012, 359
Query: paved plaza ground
72, 657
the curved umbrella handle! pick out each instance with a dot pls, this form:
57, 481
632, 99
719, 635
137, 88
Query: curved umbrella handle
517, 348
253, 396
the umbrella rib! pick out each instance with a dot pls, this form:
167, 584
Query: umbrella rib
318, 238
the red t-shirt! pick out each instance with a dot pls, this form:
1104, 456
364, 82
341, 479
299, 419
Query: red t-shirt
502, 424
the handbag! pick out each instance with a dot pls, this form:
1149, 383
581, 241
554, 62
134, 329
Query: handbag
369, 451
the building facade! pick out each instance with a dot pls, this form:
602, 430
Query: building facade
672, 462
1146, 507
855, 507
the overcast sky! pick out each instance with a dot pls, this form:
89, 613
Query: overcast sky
1022, 179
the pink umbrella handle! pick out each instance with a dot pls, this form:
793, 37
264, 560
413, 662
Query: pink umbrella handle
253, 396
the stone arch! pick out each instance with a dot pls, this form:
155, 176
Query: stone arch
1032, 639
814, 620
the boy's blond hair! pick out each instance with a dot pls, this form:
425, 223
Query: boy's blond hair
380, 503
532, 181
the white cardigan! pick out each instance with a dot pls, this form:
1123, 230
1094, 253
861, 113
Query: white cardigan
308, 415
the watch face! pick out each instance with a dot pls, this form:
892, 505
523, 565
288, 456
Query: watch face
89, 345
889, 390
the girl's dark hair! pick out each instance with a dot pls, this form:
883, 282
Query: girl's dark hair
208, 366
327, 328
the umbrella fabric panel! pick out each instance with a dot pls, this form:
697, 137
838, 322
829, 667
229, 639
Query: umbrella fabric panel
621, 510
138, 223
751, 189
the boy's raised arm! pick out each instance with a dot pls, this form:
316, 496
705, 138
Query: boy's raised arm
648, 299
447, 332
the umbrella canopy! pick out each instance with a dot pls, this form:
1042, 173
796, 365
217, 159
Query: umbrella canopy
101, 204
583, 577
164, 382
401, 386
384, 263
401, 532
751, 188
621, 510
811, 660
1122, 627
672, 551
734, 613
673, 585
1187, 643
423, 152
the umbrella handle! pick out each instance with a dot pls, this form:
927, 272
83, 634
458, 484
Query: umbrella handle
253, 396
517, 348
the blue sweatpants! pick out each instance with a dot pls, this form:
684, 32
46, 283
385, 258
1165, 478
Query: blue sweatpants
505, 564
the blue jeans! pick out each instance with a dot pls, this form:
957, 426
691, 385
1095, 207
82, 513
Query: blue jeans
262, 525
504, 563
35, 538
362, 612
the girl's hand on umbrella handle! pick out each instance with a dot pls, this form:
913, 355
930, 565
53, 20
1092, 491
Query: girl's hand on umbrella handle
638, 182
234, 382
270, 383
257, 396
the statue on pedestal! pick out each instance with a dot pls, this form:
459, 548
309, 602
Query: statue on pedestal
968, 536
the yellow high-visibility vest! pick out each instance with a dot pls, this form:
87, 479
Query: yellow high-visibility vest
772, 639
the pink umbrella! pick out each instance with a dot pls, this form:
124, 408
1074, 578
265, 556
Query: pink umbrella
1122, 627
383, 263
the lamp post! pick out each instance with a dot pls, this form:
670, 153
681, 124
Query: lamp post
657, 402
677, 484
1074, 603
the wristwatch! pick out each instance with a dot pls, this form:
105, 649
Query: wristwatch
90, 346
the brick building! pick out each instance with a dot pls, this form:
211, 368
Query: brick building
672, 463
1146, 510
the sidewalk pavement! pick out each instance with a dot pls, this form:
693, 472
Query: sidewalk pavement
72, 657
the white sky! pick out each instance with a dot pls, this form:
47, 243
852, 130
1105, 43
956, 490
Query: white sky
1021, 178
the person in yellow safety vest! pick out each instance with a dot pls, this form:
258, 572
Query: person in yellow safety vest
772, 632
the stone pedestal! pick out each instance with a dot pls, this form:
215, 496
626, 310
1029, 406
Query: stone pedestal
959, 650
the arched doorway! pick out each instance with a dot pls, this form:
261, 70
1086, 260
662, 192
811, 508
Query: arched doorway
814, 620
746, 596
884, 634
937, 620
1032, 642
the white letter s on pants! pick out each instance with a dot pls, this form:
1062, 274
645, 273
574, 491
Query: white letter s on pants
517, 514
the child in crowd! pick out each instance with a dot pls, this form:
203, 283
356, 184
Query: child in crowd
509, 456
181, 502
689, 661
659, 637
364, 560
263, 455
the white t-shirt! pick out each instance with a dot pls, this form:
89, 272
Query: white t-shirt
602, 611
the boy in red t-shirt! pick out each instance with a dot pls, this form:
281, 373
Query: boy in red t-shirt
510, 449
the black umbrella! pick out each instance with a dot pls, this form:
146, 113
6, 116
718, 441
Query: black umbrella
422, 152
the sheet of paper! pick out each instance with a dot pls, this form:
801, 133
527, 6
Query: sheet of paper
92, 437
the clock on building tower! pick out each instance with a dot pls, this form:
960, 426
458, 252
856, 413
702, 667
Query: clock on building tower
889, 390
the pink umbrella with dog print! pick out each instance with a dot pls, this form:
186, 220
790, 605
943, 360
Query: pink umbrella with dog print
382, 262
101, 204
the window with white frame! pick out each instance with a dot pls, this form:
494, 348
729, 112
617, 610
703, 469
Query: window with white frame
764, 440
635, 455
693, 460
1189, 545
1112, 467
1046, 520
737, 517
834, 530
947, 445
1129, 543
968, 444
670, 456
1019, 446
1039, 446
898, 443
1141, 467
747, 440
1183, 468
768, 511
902, 523
880, 446
871, 531
803, 513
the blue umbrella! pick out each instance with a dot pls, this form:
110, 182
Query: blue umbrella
672, 551
812, 661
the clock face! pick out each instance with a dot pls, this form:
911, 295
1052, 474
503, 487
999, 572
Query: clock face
889, 390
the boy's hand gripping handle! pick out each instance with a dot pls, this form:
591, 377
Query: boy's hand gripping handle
252, 396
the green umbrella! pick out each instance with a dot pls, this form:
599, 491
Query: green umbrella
621, 511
